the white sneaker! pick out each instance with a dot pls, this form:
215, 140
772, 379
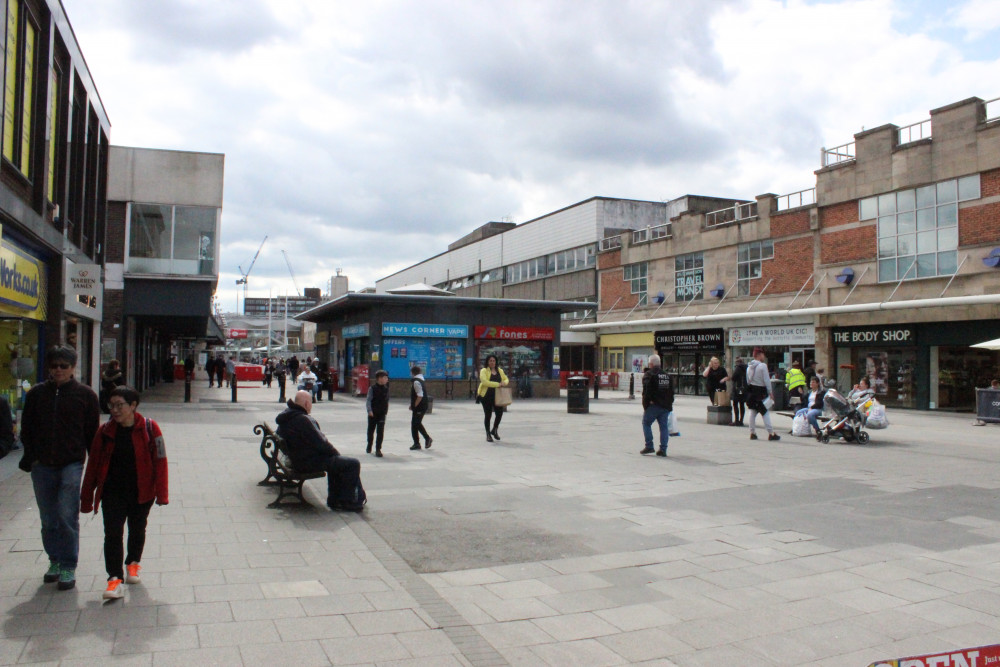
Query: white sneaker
115, 590
132, 573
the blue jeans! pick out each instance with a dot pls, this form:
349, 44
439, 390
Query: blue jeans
57, 492
659, 415
811, 415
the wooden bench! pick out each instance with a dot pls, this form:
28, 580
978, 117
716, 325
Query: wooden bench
280, 472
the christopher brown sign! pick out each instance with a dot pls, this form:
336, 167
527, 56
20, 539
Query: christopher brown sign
515, 333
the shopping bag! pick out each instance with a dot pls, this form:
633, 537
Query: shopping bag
672, 428
877, 418
504, 397
800, 426
721, 398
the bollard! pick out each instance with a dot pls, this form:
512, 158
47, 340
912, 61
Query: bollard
631, 386
232, 383
281, 387
329, 391
187, 387
597, 385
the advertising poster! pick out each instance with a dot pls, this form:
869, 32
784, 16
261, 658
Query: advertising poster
439, 357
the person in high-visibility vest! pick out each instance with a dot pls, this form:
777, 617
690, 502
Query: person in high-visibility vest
795, 380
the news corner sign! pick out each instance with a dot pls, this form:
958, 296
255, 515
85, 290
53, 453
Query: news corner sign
84, 290
969, 657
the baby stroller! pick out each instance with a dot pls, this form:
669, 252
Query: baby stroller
848, 421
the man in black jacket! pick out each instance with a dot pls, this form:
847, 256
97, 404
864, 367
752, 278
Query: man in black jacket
60, 419
657, 403
311, 451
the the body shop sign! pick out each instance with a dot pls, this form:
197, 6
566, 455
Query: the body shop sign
237, 333
890, 334
515, 333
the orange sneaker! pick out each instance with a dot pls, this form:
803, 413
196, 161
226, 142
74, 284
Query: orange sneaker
114, 591
132, 573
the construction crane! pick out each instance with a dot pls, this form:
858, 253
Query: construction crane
292, 272
246, 274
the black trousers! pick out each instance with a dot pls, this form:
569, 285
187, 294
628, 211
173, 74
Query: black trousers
376, 429
117, 511
490, 409
342, 475
739, 410
417, 427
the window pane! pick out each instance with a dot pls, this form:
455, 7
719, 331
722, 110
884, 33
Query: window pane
947, 216
926, 242
767, 249
906, 244
904, 266
925, 196
887, 247
678, 263
968, 187
887, 270
744, 254
754, 269
906, 200
947, 191
926, 218
926, 266
552, 263
868, 209
887, 204
149, 235
947, 239
906, 223
887, 226
743, 289
744, 271
947, 263
192, 226
754, 252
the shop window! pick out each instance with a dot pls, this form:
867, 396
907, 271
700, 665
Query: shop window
20, 51
750, 257
689, 277
918, 228
173, 240
635, 275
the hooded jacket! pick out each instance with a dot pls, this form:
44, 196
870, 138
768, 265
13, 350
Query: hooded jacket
757, 375
307, 446
150, 463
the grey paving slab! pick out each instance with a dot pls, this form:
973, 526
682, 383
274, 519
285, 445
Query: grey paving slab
558, 545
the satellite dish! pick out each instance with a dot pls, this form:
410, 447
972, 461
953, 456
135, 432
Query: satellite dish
660, 297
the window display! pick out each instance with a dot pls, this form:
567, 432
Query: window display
891, 372
516, 358
440, 358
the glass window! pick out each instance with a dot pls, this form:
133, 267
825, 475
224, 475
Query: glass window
947, 192
689, 281
947, 215
905, 200
868, 208
19, 85
905, 223
968, 187
927, 241
749, 262
926, 266
926, 218
947, 263
925, 196
947, 239
635, 274
887, 204
149, 234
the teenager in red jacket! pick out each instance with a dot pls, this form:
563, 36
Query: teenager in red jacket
126, 471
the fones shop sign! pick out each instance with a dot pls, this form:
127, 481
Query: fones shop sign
888, 335
981, 656
515, 333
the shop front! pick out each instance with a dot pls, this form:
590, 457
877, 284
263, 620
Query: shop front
357, 348
888, 356
439, 349
23, 311
685, 355
783, 344
626, 352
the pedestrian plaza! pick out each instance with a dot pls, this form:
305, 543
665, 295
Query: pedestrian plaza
557, 545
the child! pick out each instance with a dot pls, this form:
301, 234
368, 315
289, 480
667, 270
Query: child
377, 406
127, 471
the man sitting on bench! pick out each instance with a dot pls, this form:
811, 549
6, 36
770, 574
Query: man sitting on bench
310, 451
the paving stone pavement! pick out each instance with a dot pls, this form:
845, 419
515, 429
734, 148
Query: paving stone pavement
558, 545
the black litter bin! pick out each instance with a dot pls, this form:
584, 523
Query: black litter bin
577, 398
780, 394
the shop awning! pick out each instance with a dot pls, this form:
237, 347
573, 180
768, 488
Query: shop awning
989, 345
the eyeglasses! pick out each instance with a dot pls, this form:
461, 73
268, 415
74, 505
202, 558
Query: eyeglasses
117, 405
63, 366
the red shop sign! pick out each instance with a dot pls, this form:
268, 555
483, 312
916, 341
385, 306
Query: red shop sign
237, 333
970, 657
515, 333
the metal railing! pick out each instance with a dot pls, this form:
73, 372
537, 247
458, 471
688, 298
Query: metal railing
992, 109
650, 234
837, 154
746, 211
796, 199
915, 132
610, 243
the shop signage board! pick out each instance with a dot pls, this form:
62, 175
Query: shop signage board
237, 333
890, 334
969, 657
689, 340
793, 334
414, 330
355, 331
21, 284
515, 333
84, 290
988, 406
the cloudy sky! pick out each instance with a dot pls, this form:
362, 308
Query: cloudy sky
368, 135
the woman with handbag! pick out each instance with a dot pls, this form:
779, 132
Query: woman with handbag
491, 379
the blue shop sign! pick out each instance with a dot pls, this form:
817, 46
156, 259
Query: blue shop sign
413, 330
355, 331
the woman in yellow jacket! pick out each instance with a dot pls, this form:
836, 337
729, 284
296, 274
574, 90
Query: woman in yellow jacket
795, 380
491, 377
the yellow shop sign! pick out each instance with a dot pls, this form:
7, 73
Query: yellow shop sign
20, 278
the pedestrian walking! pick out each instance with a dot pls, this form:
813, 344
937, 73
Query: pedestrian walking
738, 384
657, 404
280, 372
491, 378
230, 371
377, 405
268, 372
220, 370
58, 424
210, 369
419, 400
759, 386
126, 472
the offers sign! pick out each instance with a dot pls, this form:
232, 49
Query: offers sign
515, 333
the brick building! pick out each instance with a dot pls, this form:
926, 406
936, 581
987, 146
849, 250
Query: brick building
883, 269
